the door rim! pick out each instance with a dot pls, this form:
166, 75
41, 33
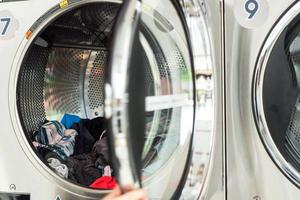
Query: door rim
257, 94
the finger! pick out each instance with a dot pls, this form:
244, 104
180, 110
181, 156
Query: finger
115, 193
133, 195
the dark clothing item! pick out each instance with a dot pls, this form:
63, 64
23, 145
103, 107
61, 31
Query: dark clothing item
68, 120
86, 168
101, 151
104, 182
84, 141
89, 131
82, 169
46, 154
95, 126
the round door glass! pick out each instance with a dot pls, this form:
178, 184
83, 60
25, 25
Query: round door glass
277, 96
170, 99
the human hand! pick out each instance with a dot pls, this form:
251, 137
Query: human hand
116, 194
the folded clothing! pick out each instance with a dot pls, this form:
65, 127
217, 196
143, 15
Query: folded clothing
56, 138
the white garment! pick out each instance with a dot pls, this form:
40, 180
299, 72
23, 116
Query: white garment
59, 168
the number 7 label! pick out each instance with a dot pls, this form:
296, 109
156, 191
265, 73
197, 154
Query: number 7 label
8, 25
6, 22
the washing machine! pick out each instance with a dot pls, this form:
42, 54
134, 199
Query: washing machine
262, 98
126, 66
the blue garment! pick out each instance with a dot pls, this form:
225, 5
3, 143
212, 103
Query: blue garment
68, 120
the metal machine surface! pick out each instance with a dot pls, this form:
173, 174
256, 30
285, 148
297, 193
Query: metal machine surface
130, 63
262, 97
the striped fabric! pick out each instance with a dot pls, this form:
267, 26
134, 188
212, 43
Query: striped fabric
55, 137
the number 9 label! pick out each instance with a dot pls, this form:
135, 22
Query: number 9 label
8, 25
251, 13
251, 6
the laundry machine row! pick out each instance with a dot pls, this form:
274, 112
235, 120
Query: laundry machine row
144, 81
143, 68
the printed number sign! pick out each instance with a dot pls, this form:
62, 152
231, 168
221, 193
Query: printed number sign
251, 13
5, 24
251, 6
8, 25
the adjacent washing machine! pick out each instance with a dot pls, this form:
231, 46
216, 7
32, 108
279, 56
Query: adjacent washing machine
125, 71
262, 99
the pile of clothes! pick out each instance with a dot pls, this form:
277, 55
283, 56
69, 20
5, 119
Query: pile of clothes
77, 149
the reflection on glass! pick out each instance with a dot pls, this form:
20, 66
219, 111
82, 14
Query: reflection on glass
278, 98
204, 88
292, 139
281, 99
169, 102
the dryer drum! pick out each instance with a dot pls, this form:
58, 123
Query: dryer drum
64, 68
63, 72
66, 75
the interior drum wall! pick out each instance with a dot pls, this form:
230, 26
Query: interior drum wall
30, 101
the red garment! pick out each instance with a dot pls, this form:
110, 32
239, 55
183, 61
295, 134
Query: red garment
104, 182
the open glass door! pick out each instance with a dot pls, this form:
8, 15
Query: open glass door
150, 97
118, 101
